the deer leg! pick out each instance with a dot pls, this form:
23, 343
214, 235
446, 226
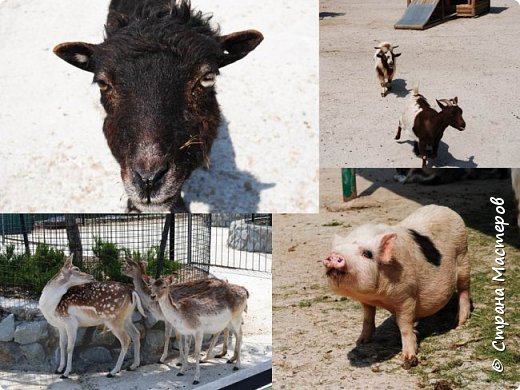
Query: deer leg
71, 340
63, 351
167, 334
212, 344
185, 339
124, 339
136, 339
237, 330
224, 344
181, 343
198, 346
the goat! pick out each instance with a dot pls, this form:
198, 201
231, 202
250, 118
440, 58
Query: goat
218, 306
386, 65
137, 271
73, 299
427, 125
515, 178
156, 71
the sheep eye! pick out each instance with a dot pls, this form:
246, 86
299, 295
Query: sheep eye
208, 80
368, 254
103, 85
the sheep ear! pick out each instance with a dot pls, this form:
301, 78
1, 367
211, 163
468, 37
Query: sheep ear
79, 54
386, 246
237, 45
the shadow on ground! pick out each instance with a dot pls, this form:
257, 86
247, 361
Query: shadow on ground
324, 15
386, 343
469, 197
444, 157
224, 187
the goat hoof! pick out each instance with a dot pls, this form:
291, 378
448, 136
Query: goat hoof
235, 368
219, 355
179, 364
130, 369
64, 376
59, 371
196, 382
109, 375
180, 374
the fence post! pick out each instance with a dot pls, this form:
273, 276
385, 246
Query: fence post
189, 238
172, 238
74, 239
164, 237
25, 237
348, 179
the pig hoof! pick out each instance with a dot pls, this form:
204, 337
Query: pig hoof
410, 362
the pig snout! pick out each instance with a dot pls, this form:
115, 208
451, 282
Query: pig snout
334, 261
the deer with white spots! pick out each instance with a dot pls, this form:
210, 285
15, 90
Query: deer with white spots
218, 306
137, 271
74, 299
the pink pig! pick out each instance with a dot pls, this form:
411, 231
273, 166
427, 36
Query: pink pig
410, 269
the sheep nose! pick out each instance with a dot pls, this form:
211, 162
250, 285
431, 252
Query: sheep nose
148, 178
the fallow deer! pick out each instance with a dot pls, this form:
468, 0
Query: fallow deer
74, 299
218, 306
137, 271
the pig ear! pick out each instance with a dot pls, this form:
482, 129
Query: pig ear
237, 45
79, 54
386, 245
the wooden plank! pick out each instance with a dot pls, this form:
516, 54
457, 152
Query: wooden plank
417, 15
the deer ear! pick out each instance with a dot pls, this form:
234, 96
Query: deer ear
442, 103
386, 246
79, 54
170, 279
68, 262
238, 45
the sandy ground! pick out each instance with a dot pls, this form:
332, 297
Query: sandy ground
257, 348
54, 155
469, 58
315, 331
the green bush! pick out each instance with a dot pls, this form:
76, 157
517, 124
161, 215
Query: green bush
109, 266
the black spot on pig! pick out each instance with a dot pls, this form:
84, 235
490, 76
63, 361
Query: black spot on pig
430, 252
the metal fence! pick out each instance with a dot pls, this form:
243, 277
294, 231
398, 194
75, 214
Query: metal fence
33, 246
242, 241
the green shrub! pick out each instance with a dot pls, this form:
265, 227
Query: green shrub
109, 266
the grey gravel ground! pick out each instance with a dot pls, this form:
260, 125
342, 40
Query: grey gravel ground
474, 59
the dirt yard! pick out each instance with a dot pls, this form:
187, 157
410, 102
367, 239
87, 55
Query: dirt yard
55, 157
315, 331
469, 58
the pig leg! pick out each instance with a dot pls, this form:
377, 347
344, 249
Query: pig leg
405, 320
369, 325
463, 282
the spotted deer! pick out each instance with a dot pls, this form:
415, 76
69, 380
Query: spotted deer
74, 299
137, 271
216, 306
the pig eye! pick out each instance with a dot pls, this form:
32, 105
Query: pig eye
368, 254
208, 80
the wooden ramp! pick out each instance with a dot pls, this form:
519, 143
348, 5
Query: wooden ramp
418, 14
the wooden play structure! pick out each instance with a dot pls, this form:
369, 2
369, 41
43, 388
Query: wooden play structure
422, 14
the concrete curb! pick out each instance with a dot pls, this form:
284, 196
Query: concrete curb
237, 376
